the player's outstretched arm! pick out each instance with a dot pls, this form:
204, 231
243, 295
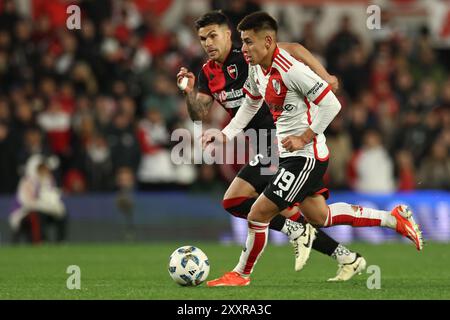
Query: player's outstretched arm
198, 103
299, 52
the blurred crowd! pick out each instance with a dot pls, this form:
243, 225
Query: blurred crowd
103, 100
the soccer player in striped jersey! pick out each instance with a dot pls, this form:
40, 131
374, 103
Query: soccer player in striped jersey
222, 79
303, 105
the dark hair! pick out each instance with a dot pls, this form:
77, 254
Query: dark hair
258, 21
212, 17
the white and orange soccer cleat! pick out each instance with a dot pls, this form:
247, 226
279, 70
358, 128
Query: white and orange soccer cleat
406, 225
229, 279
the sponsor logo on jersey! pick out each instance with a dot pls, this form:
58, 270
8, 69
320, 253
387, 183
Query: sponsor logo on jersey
289, 107
314, 89
224, 96
276, 86
232, 71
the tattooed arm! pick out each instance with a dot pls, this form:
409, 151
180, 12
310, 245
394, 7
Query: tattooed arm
198, 103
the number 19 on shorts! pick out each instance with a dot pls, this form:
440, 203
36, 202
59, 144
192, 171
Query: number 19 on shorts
287, 179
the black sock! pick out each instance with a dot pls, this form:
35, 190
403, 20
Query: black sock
277, 222
324, 243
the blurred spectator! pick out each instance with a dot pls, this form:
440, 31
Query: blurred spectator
56, 123
342, 42
428, 66
83, 79
8, 15
405, 171
360, 120
404, 89
33, 144
121, 136
340, 145
426, 99
125, 183
156, 165
39, 205
163, 97
208, 182
24, 118
434, 172
373, 168
74, 182
414, 135
98, 164
354, 72
105, 108
236, 10
156, 38
309, 38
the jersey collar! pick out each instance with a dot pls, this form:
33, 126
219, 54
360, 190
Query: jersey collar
275, 53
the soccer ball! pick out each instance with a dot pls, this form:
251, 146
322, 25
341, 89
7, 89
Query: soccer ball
188, 266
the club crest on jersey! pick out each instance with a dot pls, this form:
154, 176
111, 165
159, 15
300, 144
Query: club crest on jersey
232, 71
276, 86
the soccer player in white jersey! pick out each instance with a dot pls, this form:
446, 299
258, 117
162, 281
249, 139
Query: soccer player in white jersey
222, 78
303, 106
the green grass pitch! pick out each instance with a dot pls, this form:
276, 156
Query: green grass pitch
139, 271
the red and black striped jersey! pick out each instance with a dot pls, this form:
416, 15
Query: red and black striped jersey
225, 84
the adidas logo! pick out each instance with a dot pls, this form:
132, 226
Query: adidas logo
279, 193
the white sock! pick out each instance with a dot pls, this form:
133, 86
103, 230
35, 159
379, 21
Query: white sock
254, 246
292, 229
357, 216
343, 255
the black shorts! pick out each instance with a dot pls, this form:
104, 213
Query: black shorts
296, 179
259, 171
253, 171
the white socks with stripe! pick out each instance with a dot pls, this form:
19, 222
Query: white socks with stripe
254, 246
357, 216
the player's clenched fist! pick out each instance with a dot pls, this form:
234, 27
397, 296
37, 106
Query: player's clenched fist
188, 86
334, 82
